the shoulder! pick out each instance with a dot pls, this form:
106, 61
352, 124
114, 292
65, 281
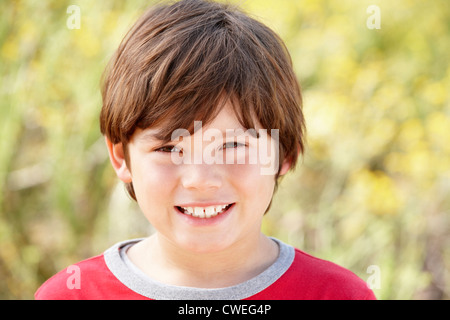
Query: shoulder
329, 280
312, 278
90, 279
70, 283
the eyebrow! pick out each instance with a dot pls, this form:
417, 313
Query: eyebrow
160, 135
149, 137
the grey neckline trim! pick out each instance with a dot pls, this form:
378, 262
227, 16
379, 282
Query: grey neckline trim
135, 279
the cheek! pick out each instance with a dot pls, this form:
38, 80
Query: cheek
152, 185
256, 188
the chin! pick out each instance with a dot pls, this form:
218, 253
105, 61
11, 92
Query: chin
205, 244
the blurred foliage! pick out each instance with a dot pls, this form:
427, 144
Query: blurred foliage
372, 188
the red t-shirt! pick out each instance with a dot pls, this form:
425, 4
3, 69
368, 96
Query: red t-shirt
295, 276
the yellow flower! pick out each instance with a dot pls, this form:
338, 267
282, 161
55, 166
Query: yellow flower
376, 191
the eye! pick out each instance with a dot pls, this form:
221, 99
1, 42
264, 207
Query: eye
169, 149
232, 144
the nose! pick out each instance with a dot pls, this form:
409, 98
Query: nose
201, 177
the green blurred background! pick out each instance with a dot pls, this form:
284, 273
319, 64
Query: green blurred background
372, 190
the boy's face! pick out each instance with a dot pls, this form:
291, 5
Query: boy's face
204, 192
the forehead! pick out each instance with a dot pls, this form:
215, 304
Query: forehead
226, 119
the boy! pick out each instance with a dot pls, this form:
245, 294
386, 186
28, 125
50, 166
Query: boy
202, 117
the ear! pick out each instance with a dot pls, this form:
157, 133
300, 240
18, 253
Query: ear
117, 158
287, 164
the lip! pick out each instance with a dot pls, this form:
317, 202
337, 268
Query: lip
204, 204
195, 221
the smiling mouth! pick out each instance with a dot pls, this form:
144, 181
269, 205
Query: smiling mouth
204, 212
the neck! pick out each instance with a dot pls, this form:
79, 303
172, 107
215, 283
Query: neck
165, 262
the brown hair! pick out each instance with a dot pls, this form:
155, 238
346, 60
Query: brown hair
180, 62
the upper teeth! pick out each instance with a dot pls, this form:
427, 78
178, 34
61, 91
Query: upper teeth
204, 212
